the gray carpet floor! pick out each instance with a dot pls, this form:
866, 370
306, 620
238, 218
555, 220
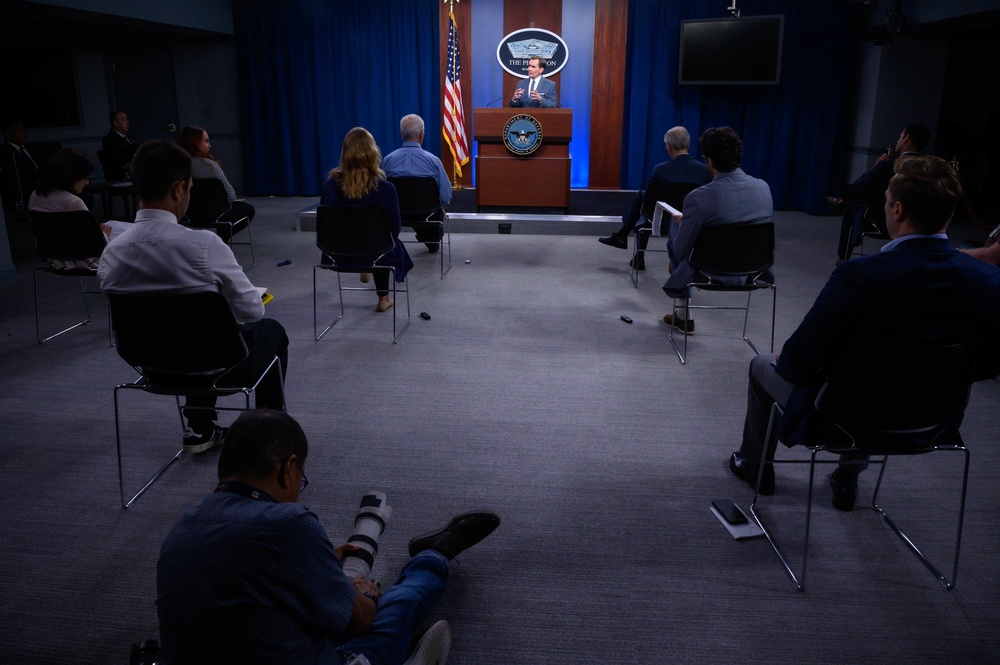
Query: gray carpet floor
525, 394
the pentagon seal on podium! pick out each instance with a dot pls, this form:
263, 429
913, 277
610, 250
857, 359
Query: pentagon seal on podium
522, 135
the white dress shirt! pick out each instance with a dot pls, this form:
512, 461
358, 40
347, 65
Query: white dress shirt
158, 254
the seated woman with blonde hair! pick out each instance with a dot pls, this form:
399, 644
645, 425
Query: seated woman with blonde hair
195, 142
359, 182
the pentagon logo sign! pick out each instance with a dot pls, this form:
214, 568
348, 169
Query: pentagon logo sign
522, 135
514, 51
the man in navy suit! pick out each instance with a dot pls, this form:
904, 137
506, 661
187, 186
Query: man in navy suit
919, 288
536, 91
119, 147
682, 169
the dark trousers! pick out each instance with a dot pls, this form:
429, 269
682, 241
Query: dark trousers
766, 388
632, 215
264, 339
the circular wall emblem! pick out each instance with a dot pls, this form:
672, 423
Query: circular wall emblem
522, 135
518, 47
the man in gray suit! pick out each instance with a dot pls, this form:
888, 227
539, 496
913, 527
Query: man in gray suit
535, 91
731, 197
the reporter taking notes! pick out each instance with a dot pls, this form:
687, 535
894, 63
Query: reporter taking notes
535, 91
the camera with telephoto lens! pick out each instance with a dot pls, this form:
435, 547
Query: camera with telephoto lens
369, 523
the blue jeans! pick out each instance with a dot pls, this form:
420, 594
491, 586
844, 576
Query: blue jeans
403, 606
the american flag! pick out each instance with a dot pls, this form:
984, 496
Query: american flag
454, 115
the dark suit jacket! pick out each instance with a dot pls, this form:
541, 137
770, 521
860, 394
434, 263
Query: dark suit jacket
546, 88
118, 152
683, 168
19, 177
921, 291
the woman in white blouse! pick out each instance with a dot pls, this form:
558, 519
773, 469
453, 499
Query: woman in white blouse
60, 183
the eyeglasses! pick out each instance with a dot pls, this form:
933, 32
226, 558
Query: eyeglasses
304, 482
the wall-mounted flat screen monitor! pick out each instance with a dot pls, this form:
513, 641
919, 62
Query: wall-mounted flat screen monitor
731, 51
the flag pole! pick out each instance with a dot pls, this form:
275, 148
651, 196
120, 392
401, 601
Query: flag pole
454, 124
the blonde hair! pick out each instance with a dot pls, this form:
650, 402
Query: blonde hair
358, 172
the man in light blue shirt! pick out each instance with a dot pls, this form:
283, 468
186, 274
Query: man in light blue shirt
412, 160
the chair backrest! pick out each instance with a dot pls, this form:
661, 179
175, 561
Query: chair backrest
419, 198
209, 201
671, 192
67, 236
744, 248
106, 166
347, 232
896, 396
177, 337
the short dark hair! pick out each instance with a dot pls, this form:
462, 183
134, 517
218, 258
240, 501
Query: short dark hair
723, 146
540, 59
929, 189
111, 116
259, 441
919, 135
156, 166
62, 170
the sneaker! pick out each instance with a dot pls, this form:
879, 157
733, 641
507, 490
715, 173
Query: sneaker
614, 241
199, 443
747, 472
432, 647
679, 323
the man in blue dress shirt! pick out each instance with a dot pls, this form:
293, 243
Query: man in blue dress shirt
412, 160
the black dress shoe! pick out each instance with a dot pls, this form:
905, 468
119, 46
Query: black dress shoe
432, 247
614, 241
845, 489
745, 471
461, 533
637, 263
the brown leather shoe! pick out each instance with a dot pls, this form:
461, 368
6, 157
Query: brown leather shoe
680, 324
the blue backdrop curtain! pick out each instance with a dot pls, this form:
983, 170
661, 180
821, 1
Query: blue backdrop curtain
793, 133
313, 69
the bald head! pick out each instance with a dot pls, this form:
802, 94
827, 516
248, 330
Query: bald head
411, 127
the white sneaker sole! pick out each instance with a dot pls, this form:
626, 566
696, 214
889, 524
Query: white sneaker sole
433, 647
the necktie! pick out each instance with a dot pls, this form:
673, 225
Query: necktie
28, 157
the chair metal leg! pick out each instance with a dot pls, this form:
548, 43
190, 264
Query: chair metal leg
771, 423
673, 315
319, 336
446, 234
83, 296
121, 474
633, 272
945, 582
409, 318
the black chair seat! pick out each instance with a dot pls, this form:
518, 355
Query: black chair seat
744, 250
72, 236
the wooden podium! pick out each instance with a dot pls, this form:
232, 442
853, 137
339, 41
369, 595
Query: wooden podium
540, 179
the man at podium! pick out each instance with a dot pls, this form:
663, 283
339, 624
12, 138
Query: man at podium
535, 91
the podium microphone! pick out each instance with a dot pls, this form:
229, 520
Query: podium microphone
495, 100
